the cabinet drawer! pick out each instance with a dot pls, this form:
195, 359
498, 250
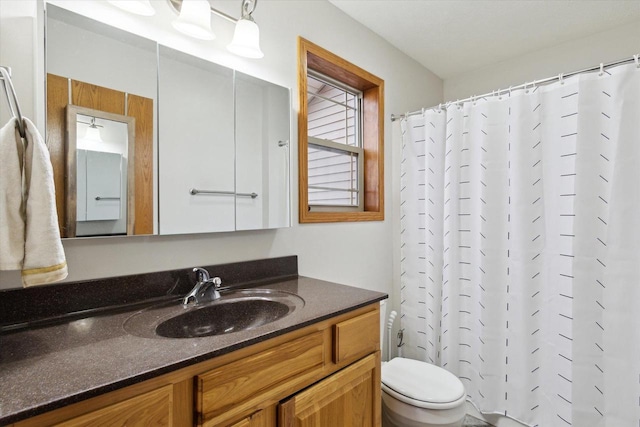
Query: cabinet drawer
152, 408
228, 391
356, 337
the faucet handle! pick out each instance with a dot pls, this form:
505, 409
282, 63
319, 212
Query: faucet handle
202, 275
217, 282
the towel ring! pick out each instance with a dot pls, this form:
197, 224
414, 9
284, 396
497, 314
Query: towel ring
12, 99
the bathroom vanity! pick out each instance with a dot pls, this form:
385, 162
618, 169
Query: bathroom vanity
319, 363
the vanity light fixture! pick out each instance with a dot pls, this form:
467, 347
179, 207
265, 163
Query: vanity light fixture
246, 37
139, 7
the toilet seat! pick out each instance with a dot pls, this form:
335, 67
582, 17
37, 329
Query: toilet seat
421, 384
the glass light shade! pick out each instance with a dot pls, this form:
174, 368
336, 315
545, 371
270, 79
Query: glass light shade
246, 40
139, 7
93, 134
195, 19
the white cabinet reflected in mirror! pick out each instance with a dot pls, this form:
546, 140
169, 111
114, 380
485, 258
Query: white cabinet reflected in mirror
100, 153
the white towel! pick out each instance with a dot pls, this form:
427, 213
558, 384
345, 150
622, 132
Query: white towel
12, 211
44, 260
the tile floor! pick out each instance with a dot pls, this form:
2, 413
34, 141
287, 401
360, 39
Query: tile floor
470, 421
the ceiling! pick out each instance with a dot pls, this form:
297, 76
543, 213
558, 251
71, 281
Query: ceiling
451, 37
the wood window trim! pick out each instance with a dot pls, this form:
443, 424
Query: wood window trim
312, 56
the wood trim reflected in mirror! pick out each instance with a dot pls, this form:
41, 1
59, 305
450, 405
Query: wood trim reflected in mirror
142, 109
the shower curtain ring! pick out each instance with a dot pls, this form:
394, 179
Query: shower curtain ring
561, 78
423, 111
510, 91
635, 58
601, 69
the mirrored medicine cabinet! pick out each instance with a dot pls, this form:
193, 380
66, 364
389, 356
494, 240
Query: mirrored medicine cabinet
146, 139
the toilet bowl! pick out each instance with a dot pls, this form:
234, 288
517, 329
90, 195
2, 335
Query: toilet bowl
418, 394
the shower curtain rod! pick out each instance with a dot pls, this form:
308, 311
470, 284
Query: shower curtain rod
534, 83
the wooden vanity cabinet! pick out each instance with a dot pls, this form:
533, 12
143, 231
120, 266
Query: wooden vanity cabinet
325, 374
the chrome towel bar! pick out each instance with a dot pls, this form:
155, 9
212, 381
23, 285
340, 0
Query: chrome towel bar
195, 192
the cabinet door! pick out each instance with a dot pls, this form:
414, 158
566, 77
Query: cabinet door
196, 144
350, 397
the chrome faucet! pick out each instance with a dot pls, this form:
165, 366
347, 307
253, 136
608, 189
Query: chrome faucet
203, 290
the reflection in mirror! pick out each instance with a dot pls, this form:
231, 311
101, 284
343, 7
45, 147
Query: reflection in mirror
100, 151
196, 148
96, 66
262, 153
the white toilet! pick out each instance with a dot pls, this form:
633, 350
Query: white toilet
419, 394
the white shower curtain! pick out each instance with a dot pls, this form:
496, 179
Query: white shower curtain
521, 248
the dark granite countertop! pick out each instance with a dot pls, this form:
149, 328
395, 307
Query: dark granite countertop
48, 367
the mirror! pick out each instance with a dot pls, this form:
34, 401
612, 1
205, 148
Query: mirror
197, 157
100, 151
262, 154
210, 144
114, 75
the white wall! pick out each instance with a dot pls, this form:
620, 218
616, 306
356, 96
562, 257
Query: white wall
575, 55
359, 254
18, 20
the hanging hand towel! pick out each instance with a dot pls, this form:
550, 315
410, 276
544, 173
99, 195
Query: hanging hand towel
44, 259
12, 213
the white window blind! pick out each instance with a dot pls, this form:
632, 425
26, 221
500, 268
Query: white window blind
335, 153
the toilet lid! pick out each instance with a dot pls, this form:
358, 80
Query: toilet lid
421, 383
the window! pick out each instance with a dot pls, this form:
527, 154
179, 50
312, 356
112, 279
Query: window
335, 154
340, 139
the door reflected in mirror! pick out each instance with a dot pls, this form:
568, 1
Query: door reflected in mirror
100, 153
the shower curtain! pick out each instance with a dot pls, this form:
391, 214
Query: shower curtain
520, 264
